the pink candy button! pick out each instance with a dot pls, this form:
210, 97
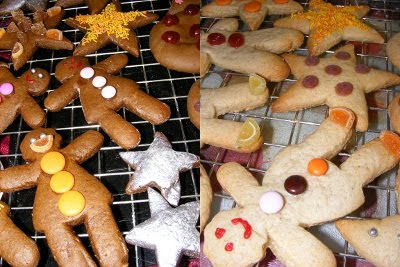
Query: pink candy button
87, 73
108, 92
99, 81
271, 202
6, 89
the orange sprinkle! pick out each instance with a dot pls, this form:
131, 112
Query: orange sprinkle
223, 2
253, 6
342, 117
281, 1
391, 142
317, 167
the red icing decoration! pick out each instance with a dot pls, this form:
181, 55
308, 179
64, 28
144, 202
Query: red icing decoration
216, 38
247, 227
171, 20
344, 88
229, 246
219, 232
333, 69
310, 81
363, 69
71, 68
171, 37
236, 40
28, 79
194, 30
342, 55
191, 10
312, 61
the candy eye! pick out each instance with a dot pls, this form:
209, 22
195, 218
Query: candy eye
373, 232
43, 135
40, 75
33, 70
33, 140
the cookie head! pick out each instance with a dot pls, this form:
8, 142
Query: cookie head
69, 67
38, 142
37, 80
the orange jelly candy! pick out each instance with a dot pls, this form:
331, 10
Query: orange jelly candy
54, 11
391, 142
253, 6
341, 116
54, 34
281, 1
223, 2
317, 167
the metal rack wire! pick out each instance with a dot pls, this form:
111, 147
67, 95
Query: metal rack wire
283, 129
169, 86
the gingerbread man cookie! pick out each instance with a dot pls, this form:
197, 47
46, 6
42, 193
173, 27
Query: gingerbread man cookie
252, 12
206, 196
193, 104
394, 113
393, 48
336, 81
233, 135
102, 94
301, 188
248, 52
25, 36
111, 26
67, 196
327, 25
16, 97
175, 41
377, 240
95, 6
15, 247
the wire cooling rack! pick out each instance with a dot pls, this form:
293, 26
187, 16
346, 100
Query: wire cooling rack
283, 129
169, 86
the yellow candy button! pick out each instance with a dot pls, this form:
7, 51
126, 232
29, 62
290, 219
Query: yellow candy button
52, 162
62, 182
71, 203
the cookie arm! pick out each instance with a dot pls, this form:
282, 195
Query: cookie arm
6, 75
378, 79
113, 64
32, 113
85, 146
19, 177
62, 96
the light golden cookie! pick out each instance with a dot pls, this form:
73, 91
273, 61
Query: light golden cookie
251, 12
393, 50
206, 196
336, 81
248, 52
193, 104
327, 25
301, 188
394, 113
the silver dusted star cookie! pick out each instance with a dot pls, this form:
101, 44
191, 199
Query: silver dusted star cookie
7, 6
158, 167
170, 231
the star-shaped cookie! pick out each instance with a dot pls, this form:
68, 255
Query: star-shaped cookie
95, 6
171, 232
327, 25
336, 81
7, 6
158, 167
252, 12
110, 26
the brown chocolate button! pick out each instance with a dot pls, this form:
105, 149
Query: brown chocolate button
310, 81
342, 55
363, 69
344, 88
333, 69
312, 61
295, 184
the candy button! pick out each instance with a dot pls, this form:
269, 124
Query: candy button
87, 73
191, 10
171, 37
310, 81
99, 81
295, 184
52, 162
71, 203
317, 167
344, 88
1, 99
171, 20
363, 69
62, 182
312, 61
236, 40
223, 2
6, 89
197, 106
253, 6
108, 92
342, 55
216, 38
194, 31
271, 202
333, 69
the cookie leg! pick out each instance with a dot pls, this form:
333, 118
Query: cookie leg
66, 247
32, 113
107, 241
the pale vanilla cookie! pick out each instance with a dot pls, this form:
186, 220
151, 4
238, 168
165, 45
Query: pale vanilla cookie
206, 196
232, 98
302, 188
327, 25
394, 113
248, 52
336, 81
252, 12
378, 241
393, 50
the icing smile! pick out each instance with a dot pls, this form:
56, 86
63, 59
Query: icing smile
43, 144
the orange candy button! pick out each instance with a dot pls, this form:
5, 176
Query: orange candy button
281, 1
317, 167
52, 162
223, 2
71, 203
62, 182
253, 6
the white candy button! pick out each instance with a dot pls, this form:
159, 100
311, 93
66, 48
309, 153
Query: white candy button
271, 202
108, 92
99, 81
87, 73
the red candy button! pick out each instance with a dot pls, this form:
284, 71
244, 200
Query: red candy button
216, 38
312, 61
229, 246
171, 20
171, 37
344, 88
333, 69
194, 30
342, 55
191, 10
236, 40
363, 69
310, 81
